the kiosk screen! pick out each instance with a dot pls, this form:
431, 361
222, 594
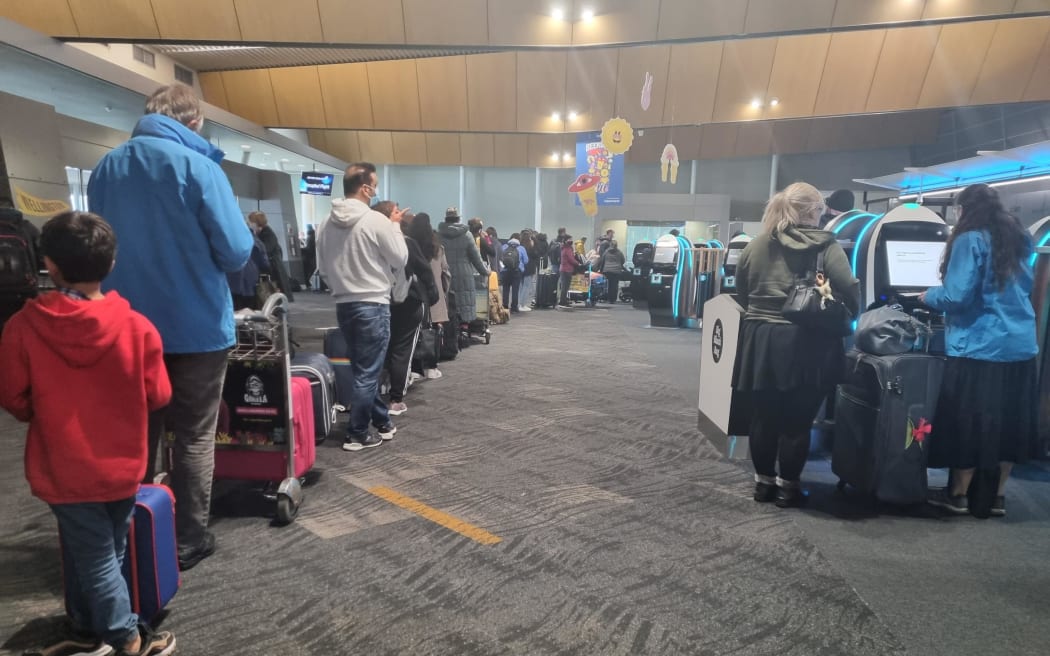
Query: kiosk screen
665, 254
914, 264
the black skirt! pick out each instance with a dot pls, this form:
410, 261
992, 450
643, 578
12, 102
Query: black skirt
783, 357
986, 414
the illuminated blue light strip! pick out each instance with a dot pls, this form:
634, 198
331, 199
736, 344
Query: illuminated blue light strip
1042, 242
960, 183
714, 243
683, 246
850, 220
860, 240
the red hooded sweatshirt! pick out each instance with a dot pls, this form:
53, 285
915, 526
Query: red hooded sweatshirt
85, 375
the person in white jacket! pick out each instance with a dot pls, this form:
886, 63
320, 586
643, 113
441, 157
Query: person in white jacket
360, 253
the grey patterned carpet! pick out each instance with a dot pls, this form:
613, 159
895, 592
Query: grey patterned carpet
572, 439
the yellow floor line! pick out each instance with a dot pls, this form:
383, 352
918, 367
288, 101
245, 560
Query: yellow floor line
479, 535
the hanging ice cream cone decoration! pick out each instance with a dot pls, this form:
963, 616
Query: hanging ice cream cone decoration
586, 189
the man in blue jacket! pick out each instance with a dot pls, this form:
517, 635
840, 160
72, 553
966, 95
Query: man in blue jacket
180, 231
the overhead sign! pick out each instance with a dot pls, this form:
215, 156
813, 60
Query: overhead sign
29, 204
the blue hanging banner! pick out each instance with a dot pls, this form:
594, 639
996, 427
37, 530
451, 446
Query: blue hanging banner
592, 158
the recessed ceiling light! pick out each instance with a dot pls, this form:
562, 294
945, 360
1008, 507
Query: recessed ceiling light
556, 116
285, 159
266, 154
558, 13
774, 102
245, 147
587, 15
756, 103
567, 156
573, 116
554, 156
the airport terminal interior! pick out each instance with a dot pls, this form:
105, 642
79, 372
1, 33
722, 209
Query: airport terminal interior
578, 480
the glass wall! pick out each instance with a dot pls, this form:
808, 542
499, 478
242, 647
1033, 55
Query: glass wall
78, 185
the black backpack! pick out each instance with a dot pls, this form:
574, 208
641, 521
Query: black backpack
511, 258
17, 267
555, 254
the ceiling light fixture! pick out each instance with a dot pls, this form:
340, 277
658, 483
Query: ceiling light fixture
245, 147
567, 156
556, 116
756, 104
558, 14
573, 116
774, 102
554, 156
588, 14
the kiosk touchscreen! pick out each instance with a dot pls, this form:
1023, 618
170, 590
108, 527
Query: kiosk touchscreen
914, 264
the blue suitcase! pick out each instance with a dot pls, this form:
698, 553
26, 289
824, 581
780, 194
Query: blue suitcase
151, 563
318, 369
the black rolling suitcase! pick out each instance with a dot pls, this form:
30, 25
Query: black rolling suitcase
546, 290
336, 352
318, 369
883, 415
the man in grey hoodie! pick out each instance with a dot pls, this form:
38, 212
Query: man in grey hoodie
359, 252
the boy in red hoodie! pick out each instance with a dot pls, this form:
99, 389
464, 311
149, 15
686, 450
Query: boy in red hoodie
85, 370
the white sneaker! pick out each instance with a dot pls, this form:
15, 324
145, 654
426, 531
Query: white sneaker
432, 374
397, 409
414, 377
525, 309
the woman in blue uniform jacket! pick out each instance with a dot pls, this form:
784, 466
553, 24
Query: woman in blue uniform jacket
986, 414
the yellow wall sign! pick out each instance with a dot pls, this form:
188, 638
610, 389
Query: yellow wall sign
38, 206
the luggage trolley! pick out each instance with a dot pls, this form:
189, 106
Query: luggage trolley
263, 434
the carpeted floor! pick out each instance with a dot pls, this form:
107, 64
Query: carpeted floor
572, 439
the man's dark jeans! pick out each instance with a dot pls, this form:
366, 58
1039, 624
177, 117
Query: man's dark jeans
366, 329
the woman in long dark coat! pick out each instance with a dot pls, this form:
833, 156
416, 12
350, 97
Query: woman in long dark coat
463, 261
273, 251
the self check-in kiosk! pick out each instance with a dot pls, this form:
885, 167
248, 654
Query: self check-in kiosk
672, 284
734, 249
642, 267
1041, 302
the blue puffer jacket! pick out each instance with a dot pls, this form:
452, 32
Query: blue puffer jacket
982, 321
179, 231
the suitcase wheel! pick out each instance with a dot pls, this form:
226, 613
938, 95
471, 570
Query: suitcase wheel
488, 337
287, 510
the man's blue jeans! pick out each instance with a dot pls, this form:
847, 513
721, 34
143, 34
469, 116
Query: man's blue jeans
366, 329
94, 541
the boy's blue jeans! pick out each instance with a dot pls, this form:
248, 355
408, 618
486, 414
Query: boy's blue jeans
366, 329
94, 539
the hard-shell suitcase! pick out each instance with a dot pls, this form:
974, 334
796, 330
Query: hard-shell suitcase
317, 369
151, 562
883, 414
259, 465
336, 352
546, 290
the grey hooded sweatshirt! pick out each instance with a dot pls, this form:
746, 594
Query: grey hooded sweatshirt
770, 264
359, 252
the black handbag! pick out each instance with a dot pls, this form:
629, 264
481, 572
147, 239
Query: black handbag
806, 306
429, 342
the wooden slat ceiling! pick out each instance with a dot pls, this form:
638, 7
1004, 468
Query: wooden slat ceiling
713, 141
901, 69
500, 23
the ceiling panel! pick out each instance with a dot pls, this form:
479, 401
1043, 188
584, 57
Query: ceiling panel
849, 72
361, 21
52, 17
905, 58
754, 139
444, 22
317, 139
250, 95
827, 134
346, 96
344, 144
541, 147
443, 149
477, 149
746, 66
492, 92
297, 92
648, 148
956, 64
213, 20
765, 16
866, 131
203, 57
686, 140
796, 75
634, 64
1039, 84
691, 83
541, 90
279, 20
951, 8
376, 147
443, 93
617, 21
410, 148
690, 19
718, 141
790, 136
121, 19
213, 90
511, 150
591, 88
1024, 6
526, 22
868, 12
1011, 57
395, 95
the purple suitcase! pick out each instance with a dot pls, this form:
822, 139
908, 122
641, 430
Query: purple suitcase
151, 563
